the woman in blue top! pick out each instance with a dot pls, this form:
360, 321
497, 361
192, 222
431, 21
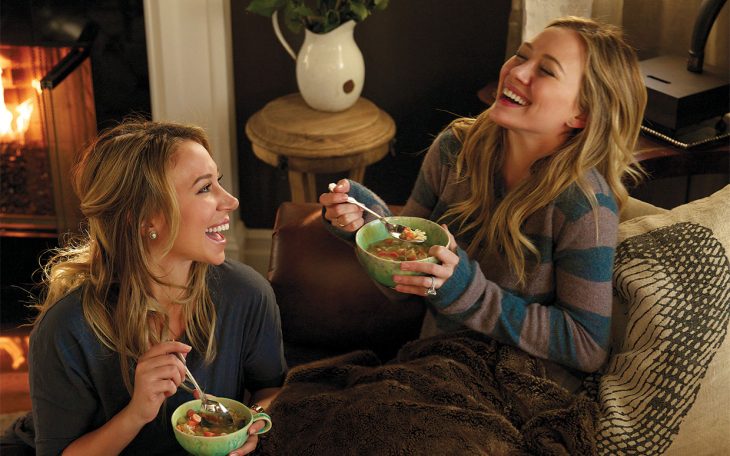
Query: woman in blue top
147, 281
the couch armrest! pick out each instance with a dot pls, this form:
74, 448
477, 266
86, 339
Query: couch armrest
327, 302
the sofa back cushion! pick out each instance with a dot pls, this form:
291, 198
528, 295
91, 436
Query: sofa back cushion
636, 208
327, 302
665, 390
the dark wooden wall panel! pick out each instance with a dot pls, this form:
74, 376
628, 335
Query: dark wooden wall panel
424, 62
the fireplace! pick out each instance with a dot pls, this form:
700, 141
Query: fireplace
46, 117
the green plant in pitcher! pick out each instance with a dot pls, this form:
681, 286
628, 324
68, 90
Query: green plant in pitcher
320, 16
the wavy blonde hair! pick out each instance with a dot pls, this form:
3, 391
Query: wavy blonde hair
613, 95
122, 183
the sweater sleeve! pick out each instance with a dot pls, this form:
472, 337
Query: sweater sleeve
572, 326
367, 197
424, 198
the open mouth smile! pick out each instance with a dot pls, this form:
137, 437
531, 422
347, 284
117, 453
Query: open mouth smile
513, 97
214, 233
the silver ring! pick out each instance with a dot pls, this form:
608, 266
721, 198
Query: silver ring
432, 289
257, 408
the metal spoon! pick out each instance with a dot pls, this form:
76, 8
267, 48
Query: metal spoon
218, 411
394, 229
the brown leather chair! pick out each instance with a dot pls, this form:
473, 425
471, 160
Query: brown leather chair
328, 304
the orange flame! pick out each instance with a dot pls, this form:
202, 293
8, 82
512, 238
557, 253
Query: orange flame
14, 346
14, 126
22, 120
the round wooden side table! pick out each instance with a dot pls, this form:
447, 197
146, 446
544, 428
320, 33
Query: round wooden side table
287, 133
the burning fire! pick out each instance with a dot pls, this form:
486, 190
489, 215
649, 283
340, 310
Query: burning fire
14, 126
15, 347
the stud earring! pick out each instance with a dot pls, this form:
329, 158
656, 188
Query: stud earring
153, 235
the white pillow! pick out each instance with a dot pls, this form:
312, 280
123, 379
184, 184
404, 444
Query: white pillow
666, 389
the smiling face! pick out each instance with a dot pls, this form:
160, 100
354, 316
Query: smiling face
204, 209
539, 87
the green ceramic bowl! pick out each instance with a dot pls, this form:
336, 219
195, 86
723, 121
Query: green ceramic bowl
220, 445
382, 269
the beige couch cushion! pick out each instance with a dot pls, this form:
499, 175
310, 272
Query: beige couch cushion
637, 208
666, 389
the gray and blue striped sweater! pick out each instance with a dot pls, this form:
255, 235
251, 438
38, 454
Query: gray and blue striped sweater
563, 313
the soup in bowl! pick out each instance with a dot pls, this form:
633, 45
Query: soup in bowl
202, 437
381, 255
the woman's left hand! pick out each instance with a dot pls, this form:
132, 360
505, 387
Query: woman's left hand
435, 274
252, 441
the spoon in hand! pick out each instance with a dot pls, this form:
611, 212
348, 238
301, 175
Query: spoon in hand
394, 229
217, 411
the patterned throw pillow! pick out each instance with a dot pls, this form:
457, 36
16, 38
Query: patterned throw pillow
666, 389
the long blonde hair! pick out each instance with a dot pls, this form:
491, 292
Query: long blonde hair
121, 181
612, 92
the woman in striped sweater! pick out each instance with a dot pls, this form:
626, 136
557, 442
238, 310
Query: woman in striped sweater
531, 190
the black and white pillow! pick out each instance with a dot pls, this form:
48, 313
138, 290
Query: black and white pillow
672, 281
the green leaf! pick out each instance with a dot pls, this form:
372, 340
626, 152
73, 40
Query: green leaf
327, 15
265, 7
292, 21
331, 21
359, 11
380, 5
323, 6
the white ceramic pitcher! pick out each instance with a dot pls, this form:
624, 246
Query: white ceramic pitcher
330, 68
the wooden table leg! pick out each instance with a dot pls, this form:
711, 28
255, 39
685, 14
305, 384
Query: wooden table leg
303, 187
358, 174
310, 187
298, 186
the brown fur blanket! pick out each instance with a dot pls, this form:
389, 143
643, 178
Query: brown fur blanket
458, 394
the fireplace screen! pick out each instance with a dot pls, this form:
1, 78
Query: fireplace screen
46, 117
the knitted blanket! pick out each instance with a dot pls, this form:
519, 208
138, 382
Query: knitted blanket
453, 394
